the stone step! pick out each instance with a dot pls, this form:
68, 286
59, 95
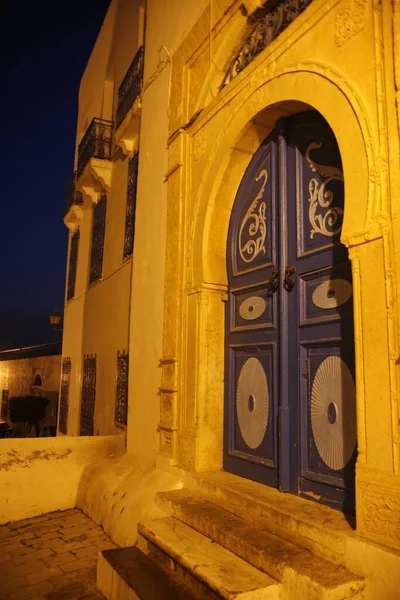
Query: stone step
128, 574
302, 573
205, 568
319, 528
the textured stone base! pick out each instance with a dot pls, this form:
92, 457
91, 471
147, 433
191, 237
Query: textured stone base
128, 574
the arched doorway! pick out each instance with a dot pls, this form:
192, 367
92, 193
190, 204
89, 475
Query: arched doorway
290, 417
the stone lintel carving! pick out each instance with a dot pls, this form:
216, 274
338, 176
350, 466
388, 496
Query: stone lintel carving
379, 512
168, 412
127, 134
350, 20
378, 508
95, 178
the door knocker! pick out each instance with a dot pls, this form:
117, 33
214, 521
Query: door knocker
273, 281
290, 278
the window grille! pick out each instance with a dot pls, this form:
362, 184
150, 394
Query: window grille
73, 263
64, 399
4, 405
88, 395
98, 231
130, 87
131, 205
271, 21
72, 195
121, 400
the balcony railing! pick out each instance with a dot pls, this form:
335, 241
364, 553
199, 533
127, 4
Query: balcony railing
130, 87
272, 20
96, 143
72, 196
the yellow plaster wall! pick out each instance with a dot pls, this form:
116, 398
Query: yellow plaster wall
166, 24
43, 475
128, 35
91, 104
105, 331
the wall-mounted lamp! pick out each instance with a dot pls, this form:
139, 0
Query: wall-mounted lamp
55, 319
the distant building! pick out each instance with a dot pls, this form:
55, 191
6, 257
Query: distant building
31, 371
232, 279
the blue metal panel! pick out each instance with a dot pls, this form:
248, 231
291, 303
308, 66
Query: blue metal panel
290, 396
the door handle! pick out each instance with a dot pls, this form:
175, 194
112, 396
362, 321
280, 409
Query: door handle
290, 278
273, 281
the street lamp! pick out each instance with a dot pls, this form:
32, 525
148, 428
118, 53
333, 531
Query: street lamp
55, 319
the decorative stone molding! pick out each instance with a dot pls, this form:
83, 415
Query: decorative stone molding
167, 442
95, 178
350, 20
378, 511
73, 217
168, 406
127, 134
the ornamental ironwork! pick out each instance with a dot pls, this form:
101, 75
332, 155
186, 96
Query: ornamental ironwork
121, 399
271, 22
131, 205
64, 396
88, 395
130, 87
72, 195
96, 143
73, 264
98, 232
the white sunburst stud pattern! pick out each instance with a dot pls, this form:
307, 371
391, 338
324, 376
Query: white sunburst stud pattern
252, 402
333, 408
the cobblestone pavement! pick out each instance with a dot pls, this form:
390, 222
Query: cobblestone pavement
52, 557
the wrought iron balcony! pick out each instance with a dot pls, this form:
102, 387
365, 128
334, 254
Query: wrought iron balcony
130, 87
72, 196
271, 21
96, 143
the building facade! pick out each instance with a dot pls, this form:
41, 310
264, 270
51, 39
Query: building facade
231, 297
31, 371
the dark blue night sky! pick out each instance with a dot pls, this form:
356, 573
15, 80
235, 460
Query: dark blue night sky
45, 48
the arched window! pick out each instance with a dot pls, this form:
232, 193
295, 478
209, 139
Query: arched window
38, 380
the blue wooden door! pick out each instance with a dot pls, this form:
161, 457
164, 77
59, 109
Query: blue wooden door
290, 417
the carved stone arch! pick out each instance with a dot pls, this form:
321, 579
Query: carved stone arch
223, 143
250, 120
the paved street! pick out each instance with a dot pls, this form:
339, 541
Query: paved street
52, 557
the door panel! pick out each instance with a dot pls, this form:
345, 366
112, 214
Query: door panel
252, 324
290, 415
321, 316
